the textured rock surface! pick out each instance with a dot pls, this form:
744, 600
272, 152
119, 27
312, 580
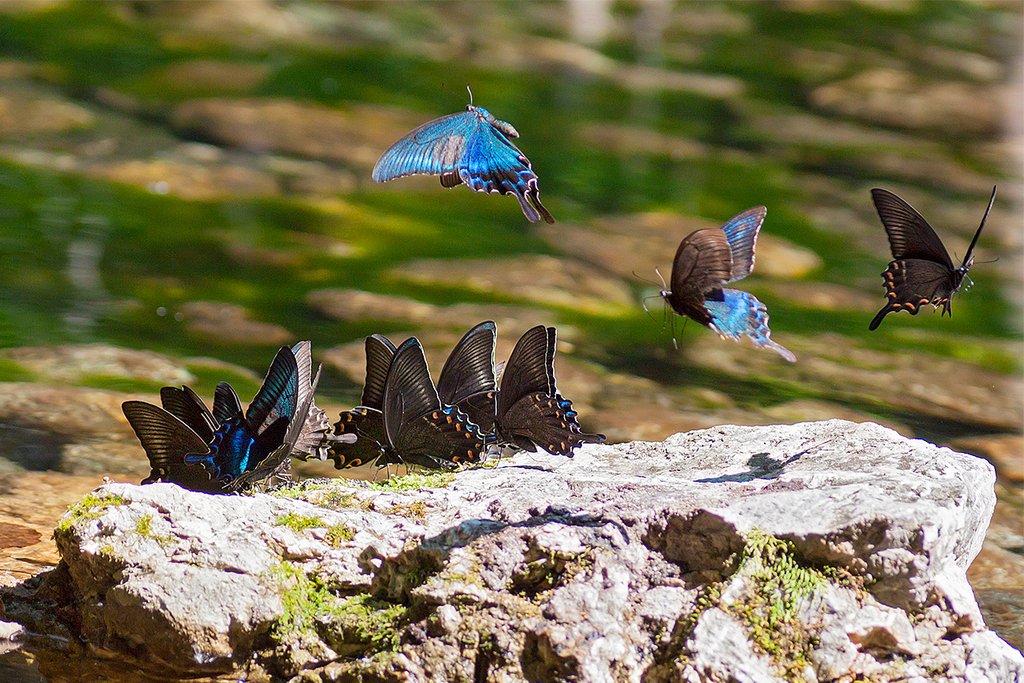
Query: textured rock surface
818, 551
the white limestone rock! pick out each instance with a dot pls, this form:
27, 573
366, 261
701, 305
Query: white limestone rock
817, 552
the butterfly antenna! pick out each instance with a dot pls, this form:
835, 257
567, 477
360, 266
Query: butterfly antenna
470, 91
970, 249
645, 280
664, 285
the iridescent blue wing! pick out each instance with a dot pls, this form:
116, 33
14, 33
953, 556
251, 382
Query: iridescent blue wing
167, 440
467, 378
740, 314
491, 163
419, 430
741, 232
238, 455
435, 148
278, 396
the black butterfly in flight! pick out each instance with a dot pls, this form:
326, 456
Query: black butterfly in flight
921, 271
529, 411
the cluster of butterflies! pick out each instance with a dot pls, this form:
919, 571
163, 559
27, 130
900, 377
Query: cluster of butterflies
475, 148
403, 417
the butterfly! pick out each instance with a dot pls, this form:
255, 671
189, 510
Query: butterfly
921, 271
367, 419
315, 436
467, 378
710, 258
251, 446
419, 430
471, 148
529, 411
166, 440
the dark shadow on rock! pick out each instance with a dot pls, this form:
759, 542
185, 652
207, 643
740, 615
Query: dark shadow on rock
762, 466
415, 565
704, 546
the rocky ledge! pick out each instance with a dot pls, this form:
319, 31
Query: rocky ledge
826, 551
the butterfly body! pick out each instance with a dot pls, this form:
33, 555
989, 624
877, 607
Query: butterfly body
921, 271
705, 262
472, 148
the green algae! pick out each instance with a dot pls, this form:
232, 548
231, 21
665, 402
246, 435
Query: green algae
91, 506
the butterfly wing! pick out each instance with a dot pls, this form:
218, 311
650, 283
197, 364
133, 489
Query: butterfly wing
185, 404
910, 236
912, 283
528, 369
167, 440
226, 403
539, 419
435, 148
491, 163
417, 428
278, 396
741, 233
467, 378
314, 433
703, 263
367, 425
379, 352
740, 314
239, 455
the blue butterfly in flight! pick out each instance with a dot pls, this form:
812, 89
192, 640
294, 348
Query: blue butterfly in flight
472, 148
710, 258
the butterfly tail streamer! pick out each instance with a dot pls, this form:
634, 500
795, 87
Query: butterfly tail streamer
741, 314
877, 320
